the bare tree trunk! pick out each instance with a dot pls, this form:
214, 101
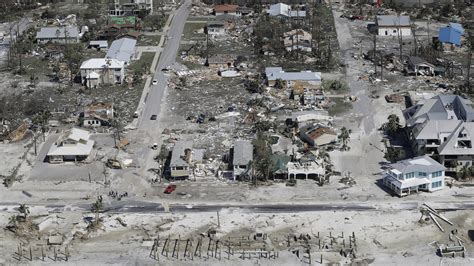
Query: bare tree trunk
468, 75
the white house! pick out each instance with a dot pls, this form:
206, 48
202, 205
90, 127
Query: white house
74, 145
305, 170
215, 28
390, 25
285, 11
98, 71
58, 35
412, 175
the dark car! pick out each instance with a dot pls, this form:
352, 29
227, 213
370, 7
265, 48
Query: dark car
169, 189
153, 117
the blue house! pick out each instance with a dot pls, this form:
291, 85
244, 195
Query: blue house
451, 34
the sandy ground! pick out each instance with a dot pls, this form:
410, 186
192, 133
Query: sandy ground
386, 238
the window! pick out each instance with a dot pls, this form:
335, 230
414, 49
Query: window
422, 174
394, 31
436, 184
409, 175
437, 174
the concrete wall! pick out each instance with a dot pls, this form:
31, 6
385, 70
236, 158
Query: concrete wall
393, 31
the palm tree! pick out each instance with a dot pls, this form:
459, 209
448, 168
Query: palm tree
280, 84
96, 207
24, 210
393, 124
323, 154
344, 137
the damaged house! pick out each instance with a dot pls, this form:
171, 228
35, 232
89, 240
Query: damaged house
98, 114
307, 79
73, 145
419, 66
317, 135
242, 156
183, 157
98, 45
221, 61
57, 35
412, 175
297, 39
215, 28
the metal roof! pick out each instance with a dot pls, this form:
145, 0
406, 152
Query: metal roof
418, 164
178, 153
57, 32
391, 20
243, 152
122, 49
82, 147
274, 73
101, 44
101, 63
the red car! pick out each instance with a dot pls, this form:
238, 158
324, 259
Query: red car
169, 189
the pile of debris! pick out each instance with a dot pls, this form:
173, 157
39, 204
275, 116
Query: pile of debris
200, 9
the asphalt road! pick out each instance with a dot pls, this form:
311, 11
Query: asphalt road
167, 58
152, 207
363, 106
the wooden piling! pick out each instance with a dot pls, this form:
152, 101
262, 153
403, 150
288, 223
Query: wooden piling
209, 248
164, 246
174, 248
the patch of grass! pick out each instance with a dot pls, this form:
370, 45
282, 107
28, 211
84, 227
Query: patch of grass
149, 40
340, 106
190, 28
143, 64
198, 19
33, 65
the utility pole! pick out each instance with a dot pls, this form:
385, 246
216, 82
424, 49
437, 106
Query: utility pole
381, 66
428, 26
415, 45
468, 75
35, 144
375, 50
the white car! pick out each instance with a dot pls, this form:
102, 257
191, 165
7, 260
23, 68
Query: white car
154, 82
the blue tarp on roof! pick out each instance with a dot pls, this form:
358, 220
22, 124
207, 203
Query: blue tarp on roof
451, 34
456, 27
